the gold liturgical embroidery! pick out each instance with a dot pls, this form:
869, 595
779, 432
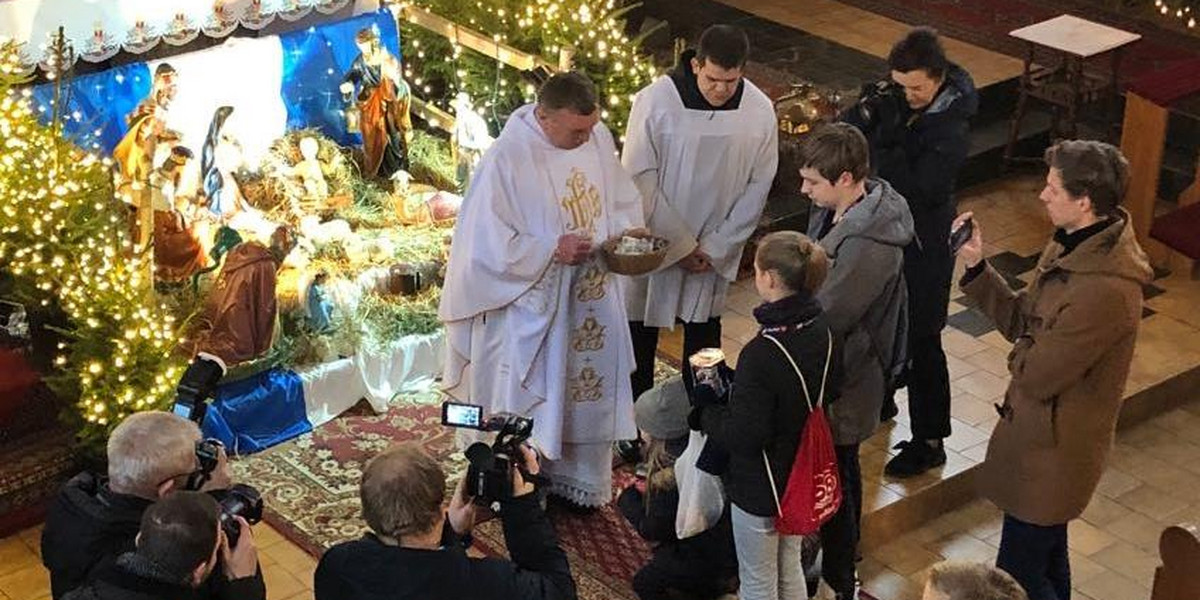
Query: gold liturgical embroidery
589, 337
587, 387
591, 283
582, 202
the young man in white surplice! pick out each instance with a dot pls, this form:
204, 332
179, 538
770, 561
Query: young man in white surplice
702, 147
535, 323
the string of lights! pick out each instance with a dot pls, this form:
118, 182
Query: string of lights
64, 235
63, 238
592, 30
1180, 9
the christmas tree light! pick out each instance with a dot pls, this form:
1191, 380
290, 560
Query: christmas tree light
1180, 9
594, 29
62, 236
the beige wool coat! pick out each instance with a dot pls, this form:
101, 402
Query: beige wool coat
1073, 331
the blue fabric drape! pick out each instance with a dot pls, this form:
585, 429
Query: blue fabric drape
258, 412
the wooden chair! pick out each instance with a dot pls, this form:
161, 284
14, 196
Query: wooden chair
1179, 576
1171, 239
1179, 231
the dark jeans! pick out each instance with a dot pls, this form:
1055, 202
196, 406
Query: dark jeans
696, 336
839, 535
1036, 556
928, 388
665, 574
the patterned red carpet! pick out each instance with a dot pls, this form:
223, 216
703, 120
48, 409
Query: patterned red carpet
32, 469
35, 451
310, 486
986, 23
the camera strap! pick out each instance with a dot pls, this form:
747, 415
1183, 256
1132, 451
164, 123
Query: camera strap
196, 480
538, 480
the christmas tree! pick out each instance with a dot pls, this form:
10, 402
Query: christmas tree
592, 31
64, 242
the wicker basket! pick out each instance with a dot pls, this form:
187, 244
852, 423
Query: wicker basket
634, 264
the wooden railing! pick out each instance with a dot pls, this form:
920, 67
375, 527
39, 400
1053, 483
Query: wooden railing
469, 38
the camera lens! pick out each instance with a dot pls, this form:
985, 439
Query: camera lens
243, 501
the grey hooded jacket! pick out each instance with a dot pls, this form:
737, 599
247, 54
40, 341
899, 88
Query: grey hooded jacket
865, 300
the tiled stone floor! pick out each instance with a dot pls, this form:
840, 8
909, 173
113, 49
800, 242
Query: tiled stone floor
1152, 480
875, 34
1015, 230
830, 21
288, 570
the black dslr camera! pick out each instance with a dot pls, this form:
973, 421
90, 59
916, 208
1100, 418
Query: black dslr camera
489, 472
240, 500
877, 98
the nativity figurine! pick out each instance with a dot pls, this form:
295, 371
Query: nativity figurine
383, 100
309, 173
470, 138
178, 253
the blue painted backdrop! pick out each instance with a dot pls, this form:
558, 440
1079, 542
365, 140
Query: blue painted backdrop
314, 61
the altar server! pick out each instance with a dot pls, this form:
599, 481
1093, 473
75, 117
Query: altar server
702, 147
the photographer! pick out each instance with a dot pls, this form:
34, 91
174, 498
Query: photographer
917, 124
93, 520
178, 548
417, 548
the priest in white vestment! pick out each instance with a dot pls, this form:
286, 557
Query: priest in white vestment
535, 323
702, 148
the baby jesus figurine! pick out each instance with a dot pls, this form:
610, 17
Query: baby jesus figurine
308, 171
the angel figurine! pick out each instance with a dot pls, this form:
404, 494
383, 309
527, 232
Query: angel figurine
470, 138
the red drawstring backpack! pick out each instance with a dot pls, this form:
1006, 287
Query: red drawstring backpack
813, 492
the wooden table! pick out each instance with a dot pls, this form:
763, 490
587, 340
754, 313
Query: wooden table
1064, 85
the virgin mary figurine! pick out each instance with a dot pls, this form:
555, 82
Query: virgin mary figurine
220, 199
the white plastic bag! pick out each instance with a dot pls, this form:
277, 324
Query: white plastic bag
701, 495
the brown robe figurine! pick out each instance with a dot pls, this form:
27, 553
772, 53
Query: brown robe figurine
241, 308
177, 252
384, 101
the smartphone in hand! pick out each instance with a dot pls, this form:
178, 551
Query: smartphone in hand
961, 236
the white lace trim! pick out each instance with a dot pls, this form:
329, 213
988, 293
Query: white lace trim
579, 493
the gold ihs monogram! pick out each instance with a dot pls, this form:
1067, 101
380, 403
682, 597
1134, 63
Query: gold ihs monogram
587, 387
589, 337
591, 283
582, 202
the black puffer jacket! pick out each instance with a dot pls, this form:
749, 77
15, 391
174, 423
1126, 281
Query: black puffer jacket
137, 577
920, 154
88, 527
767, 410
